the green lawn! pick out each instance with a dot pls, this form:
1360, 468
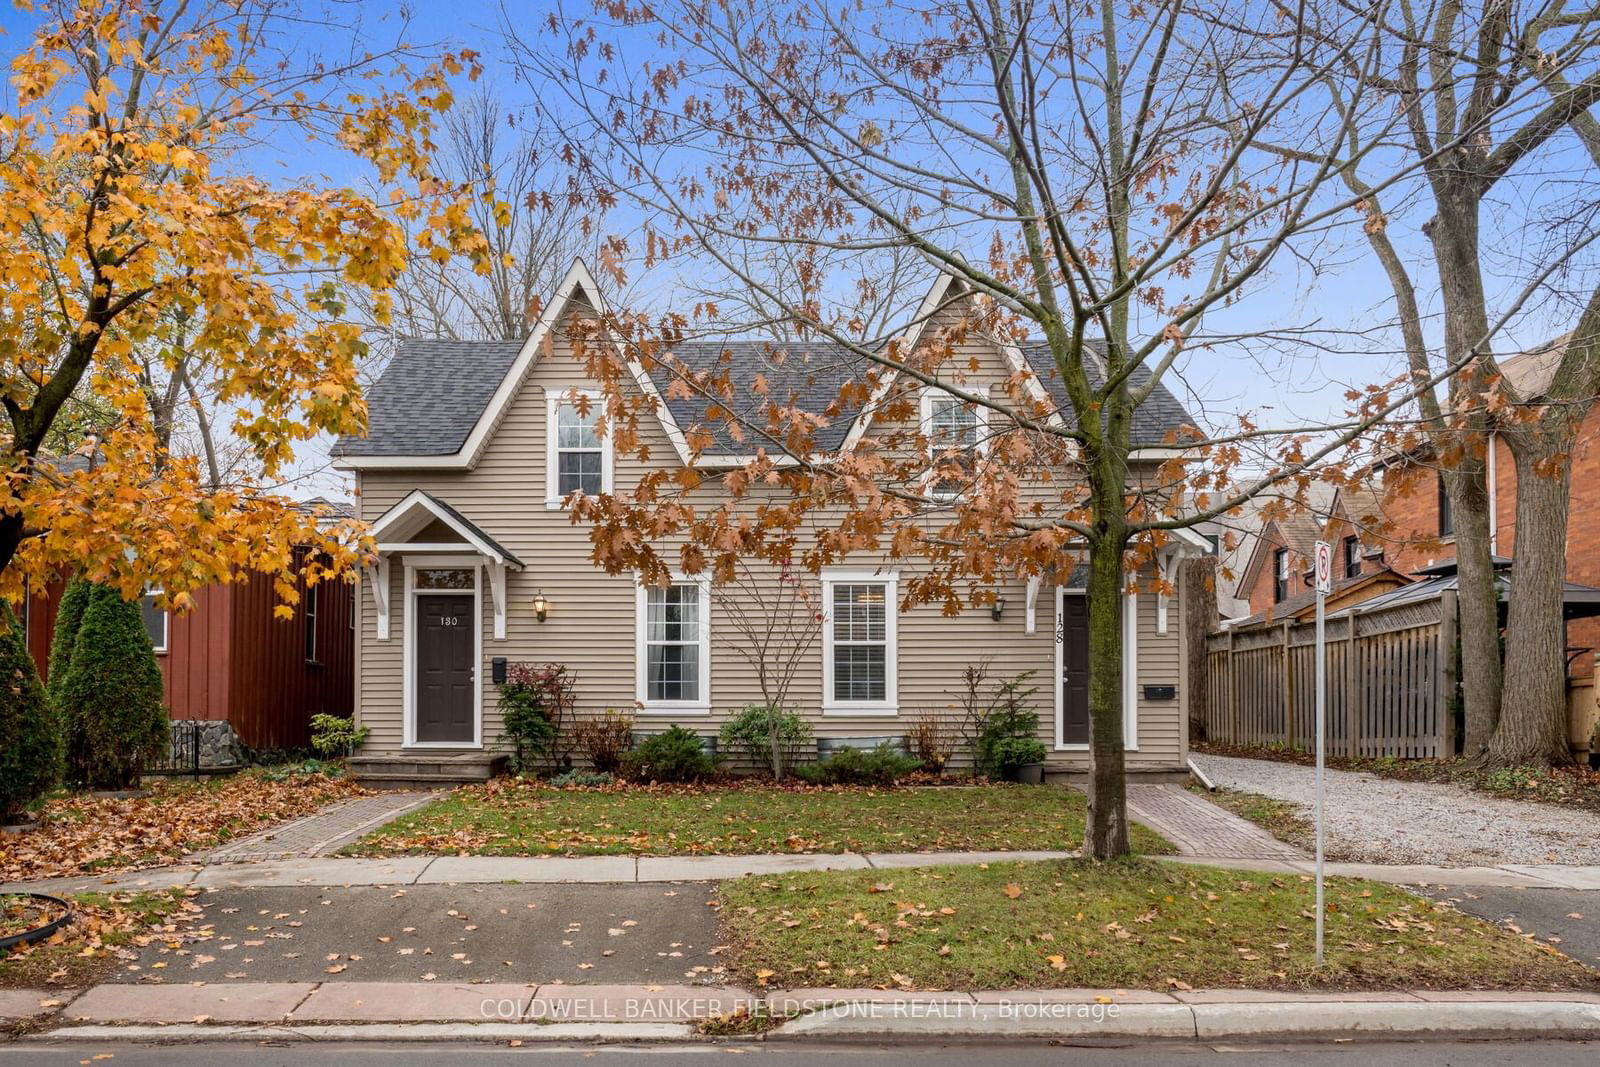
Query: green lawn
516, 818
1279, 818
1137, 924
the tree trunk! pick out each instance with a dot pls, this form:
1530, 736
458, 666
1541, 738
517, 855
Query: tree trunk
1106, 830
1453, 233
1197, 590
1533, 719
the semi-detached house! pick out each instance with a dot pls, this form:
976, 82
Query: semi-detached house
471, 448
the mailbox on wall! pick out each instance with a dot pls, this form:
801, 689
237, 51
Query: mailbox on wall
1161, 692
497, 670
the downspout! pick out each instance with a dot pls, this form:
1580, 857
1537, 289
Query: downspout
1494, 509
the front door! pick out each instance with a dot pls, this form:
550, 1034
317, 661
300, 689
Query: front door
1073, 633
445, 662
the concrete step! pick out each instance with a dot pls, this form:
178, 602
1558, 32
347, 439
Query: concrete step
411, 770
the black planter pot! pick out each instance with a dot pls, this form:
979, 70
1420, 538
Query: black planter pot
1028, 774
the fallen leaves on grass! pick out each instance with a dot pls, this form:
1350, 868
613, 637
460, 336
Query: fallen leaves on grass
81, 833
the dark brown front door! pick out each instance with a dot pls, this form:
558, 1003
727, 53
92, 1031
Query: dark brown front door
1074, 637
445, 660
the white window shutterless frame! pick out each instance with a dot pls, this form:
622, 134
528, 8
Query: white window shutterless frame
576, 456
948, 422
672, 648
860, 631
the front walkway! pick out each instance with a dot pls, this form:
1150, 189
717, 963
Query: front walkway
322, 833
1200, 828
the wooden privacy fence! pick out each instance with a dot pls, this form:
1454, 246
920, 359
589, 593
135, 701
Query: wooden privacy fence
1391, 678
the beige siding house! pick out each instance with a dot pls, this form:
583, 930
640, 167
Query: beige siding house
472, 446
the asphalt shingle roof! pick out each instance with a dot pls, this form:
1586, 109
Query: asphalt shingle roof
433, 392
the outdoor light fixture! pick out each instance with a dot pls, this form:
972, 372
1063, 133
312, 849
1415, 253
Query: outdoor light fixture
541, 607
998, 608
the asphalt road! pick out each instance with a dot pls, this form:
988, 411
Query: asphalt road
465, 933
1354, 1054
1569, 919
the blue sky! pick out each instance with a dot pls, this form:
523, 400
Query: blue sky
1344, 289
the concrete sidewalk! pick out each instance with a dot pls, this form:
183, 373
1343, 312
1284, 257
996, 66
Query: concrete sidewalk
469, 870
560, 1012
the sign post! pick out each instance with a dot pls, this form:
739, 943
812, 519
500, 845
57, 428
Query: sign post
1324, 581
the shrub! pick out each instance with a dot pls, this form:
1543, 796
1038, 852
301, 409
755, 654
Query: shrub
335, 736
582, 779
605, 740
30, 735
753, 730
535, 706
931, 741
991, 709
675, 755
883, 765
69, 618
112, 694
1009, 753
1011, 722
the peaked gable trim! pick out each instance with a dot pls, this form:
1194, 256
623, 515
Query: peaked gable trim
576, 279
418, 502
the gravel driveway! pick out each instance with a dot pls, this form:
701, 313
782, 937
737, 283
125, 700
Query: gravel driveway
1380, 820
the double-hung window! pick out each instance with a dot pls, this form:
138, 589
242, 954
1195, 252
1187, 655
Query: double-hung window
954, 430
579, 457
674, 647
1280, 575
1352, 556
858, 650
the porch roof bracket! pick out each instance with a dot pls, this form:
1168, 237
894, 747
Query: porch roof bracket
497, 595
1031, 617
378, 579
1188, 544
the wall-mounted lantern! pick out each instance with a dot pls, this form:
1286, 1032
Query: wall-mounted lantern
998, 608
541, 607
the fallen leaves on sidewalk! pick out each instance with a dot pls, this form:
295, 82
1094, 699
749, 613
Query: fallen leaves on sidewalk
81, 833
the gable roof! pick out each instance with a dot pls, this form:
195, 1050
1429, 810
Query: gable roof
438, 400
1297, 531
418, 509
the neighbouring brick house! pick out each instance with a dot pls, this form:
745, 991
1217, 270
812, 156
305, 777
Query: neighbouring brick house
1276, 581
1414, 514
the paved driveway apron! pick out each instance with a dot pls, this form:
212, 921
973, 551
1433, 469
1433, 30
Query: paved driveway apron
483, 933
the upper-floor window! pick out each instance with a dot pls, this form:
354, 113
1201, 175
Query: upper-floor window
1280, 575
155, 619
1447, 520
954, 429
1213, 544
1352, 556
579, 457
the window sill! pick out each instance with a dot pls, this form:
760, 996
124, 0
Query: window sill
861, 711
675, 709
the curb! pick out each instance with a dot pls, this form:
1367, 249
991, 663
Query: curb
189, 1033
1089, 1021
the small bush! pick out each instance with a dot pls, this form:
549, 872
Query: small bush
30, 736
1008, 727
69, 618
932, 742
112, 694
752, 730
1009, 753
582, 779
605, 740
882, 766
673, 756
527, 723
335, 736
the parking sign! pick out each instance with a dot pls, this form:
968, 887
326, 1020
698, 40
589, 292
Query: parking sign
1324, 567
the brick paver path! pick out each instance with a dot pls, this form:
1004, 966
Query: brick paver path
323, 833
1200, 828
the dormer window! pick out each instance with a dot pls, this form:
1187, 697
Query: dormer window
579, 458
950, 425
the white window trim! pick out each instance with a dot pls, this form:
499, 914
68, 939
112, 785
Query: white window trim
554, 398
408, 630
641, 658
929, 394
890, 580
166, 624
1130, 671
